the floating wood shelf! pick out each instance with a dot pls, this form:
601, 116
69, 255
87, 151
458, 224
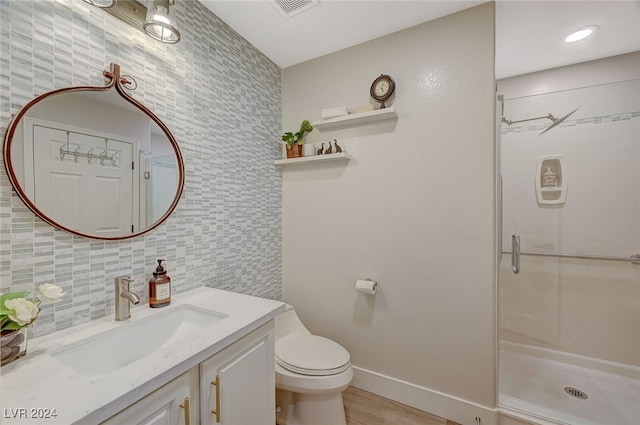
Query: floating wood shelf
314, 158
356, 119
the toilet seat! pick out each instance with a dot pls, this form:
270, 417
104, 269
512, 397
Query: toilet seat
311, 355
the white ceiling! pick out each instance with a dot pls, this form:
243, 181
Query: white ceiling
528, 32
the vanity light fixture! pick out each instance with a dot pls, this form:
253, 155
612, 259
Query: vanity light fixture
580, 33
160, 22
102, 3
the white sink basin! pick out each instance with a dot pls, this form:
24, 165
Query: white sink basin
116, 348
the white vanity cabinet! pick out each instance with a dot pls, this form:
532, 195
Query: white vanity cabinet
222, 334
237, 385
175, 403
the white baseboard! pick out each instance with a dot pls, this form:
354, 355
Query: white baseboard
510, 416
455, 409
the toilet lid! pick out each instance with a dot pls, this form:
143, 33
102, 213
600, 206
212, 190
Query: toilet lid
311, 355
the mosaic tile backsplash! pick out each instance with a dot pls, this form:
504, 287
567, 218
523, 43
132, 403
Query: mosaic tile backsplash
220, 97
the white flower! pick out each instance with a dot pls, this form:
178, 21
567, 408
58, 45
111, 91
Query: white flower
49, 293
23, 311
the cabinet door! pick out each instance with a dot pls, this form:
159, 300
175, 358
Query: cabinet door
237, 385
166, 405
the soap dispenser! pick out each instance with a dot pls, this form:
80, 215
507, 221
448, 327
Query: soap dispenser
159, 288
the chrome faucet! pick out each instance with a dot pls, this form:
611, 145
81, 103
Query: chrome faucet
124, 298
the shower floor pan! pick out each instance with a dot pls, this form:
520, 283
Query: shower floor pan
533, 382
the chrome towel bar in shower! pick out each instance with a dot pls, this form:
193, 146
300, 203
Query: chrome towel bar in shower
516, 253
635, 259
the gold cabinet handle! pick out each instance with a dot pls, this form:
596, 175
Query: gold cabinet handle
185, 406
216, 383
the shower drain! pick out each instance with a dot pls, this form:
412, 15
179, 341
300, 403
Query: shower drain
574, 392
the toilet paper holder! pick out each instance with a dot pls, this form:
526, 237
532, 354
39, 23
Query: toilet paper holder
367, 286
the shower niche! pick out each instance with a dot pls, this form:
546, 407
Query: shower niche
551, 180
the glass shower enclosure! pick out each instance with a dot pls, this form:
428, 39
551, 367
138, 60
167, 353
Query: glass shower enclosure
569, 280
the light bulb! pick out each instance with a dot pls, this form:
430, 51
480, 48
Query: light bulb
580, 33
161, 18
160, 22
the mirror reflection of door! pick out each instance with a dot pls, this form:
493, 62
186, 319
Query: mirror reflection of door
99, 113
93, 194
161, 178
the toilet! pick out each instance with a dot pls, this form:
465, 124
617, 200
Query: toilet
311, 374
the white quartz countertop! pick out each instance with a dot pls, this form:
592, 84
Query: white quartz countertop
39, 383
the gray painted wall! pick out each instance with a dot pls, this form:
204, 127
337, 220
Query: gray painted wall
414, 209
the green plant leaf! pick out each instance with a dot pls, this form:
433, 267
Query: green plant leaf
305, 127
11, 326
286, 137
11, 296
298, 137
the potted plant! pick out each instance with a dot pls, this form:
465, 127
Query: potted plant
16, 314
295, 140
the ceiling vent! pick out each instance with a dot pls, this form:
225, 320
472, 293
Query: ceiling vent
289, 8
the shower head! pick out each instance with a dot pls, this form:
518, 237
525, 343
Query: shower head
557, 121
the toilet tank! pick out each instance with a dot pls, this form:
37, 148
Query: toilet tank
288, 322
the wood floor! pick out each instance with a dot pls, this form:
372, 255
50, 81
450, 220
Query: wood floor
364, 408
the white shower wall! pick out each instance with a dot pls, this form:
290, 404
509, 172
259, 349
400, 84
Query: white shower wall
601, 157
585, 307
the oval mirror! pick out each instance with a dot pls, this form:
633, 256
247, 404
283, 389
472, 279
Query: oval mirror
94, 161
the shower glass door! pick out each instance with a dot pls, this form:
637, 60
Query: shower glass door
569, 303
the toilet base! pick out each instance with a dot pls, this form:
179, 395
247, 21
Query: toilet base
309, 409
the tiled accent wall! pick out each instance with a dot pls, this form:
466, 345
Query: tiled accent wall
220, 97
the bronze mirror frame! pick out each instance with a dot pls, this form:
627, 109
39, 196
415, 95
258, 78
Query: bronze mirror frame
119, 82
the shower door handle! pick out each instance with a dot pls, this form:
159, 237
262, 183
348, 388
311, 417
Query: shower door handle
515, 254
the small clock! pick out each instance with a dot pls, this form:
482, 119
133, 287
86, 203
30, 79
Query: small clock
382, 88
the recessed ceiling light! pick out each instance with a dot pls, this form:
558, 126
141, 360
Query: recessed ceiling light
580, 33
